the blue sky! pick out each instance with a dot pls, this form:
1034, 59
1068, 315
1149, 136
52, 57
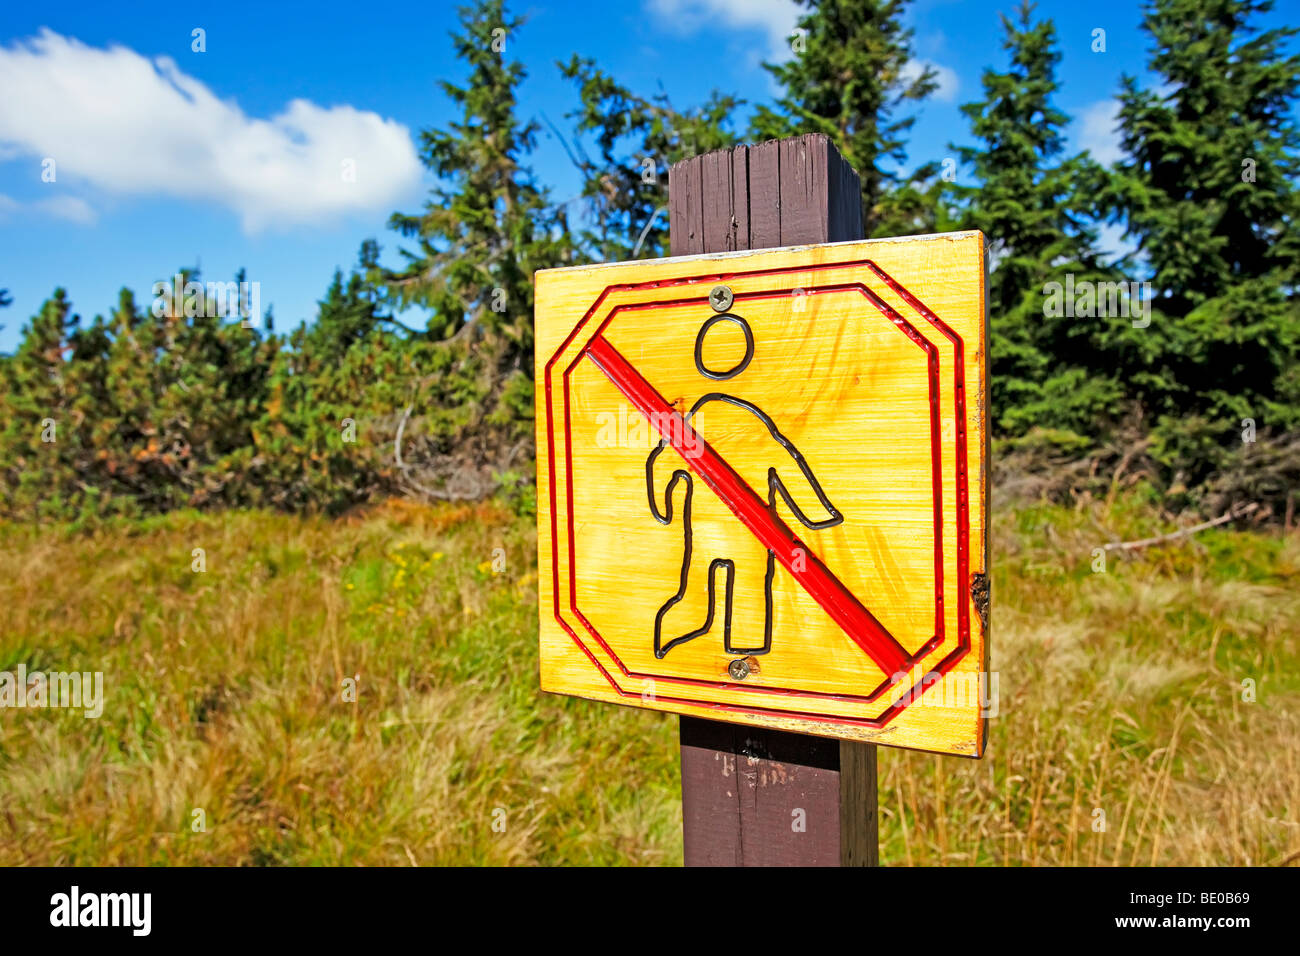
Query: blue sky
166, 157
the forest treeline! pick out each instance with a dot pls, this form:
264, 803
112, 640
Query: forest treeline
1177, 363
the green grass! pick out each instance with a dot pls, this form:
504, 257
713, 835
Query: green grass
1120, 692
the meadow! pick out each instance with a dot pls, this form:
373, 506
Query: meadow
1149, 714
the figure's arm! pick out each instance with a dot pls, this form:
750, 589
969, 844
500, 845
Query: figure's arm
806, 487
802, 491
652, 464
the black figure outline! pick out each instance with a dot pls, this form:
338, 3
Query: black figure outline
699, 347
775, 486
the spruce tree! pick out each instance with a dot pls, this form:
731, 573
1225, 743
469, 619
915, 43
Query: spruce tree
851, 76
1030, 203
488, 226
1208, 190
483, 232
313, 439
637, 138
211, 385
133, 386
40, 431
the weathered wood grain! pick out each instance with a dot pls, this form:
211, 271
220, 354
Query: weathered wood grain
754, 797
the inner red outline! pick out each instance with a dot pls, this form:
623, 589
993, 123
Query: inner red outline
933, 376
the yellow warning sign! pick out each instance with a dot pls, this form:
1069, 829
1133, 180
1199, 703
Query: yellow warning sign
762, 491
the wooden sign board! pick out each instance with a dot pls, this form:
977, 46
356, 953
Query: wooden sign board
762, 488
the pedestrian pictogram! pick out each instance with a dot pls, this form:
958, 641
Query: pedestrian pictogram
761, 491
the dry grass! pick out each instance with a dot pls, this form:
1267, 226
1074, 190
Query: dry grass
1122, 692
224, 692
1119, 691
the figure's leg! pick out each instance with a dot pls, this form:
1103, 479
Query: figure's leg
749, 606
703, 582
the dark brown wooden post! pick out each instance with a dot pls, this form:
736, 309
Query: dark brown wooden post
753, 797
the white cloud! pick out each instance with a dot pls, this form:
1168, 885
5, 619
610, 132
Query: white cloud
775, 18
130, 125
71, 208
1099, 132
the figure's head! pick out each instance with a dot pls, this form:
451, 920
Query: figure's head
718, 335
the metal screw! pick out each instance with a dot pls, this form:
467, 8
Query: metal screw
721, 298
739, 669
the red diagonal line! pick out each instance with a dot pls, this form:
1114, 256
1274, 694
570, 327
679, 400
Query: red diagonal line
813, 576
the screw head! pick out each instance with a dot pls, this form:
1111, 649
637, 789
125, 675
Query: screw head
738, 669
721, 298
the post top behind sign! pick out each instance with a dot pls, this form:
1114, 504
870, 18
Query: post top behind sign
787, 192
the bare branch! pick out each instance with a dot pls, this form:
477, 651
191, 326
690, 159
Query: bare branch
645, 230
1237, 511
